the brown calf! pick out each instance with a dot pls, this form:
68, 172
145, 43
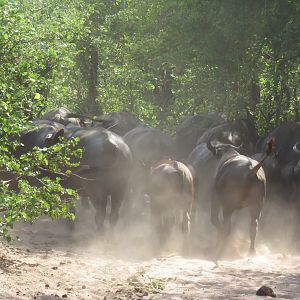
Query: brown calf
171, 190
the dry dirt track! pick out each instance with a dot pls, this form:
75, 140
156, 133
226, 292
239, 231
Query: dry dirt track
48, 263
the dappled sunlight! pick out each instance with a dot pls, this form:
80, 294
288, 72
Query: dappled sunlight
176, 126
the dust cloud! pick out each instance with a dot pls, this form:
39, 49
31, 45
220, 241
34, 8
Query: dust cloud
47, 260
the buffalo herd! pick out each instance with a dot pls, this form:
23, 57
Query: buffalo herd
210, 165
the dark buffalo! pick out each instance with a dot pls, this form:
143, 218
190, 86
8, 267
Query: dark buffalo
239, 132
104, 169
199, 129
63, 116
239, 182
204, 164
279, 168
171, 191
192, 128
294, 173
286, 136
118, 122
282, 174
148, 145
46, 134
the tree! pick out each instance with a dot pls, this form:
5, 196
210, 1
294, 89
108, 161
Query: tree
29, 54
161, 59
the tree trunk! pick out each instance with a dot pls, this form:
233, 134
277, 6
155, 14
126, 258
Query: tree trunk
93, 81
296, 105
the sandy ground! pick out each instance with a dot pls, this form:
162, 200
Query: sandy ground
46, 261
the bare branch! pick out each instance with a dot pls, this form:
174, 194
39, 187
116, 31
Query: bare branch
66, 175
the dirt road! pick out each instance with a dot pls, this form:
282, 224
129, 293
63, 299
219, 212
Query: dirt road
47, 262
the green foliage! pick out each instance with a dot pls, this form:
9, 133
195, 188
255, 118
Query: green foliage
28, 54
167, 59
33, 184
161, 59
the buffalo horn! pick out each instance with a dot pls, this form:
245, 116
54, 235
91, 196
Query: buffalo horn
295, 148
82, 117
231, 146
237, 147
210, 147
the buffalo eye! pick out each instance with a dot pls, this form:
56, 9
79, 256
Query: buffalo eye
49, 136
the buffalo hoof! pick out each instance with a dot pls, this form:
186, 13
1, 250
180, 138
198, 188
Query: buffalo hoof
251, 252
214, 257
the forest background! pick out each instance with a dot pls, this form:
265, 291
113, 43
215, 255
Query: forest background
160, 59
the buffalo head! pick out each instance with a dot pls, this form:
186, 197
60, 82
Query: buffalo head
43, 136
220, 149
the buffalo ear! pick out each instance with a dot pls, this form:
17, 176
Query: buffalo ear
270, 145
211, 148
175, 164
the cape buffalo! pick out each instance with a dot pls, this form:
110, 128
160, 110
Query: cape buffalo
148, 145
279, 168
286, 136
237, 132
204, 164
118, 122
213, 126
104, 169
63, 116
239, 182
171, 191
192, 128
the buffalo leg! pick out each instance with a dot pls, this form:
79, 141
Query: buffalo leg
157, 226
100, 203
161, 224
186, 230
223, 232
163, 228
195, 213
117, 197
255, 216
214, 212
186, 222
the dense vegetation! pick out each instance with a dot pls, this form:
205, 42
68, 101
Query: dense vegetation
161, 59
